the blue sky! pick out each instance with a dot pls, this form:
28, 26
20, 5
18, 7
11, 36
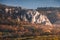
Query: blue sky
32, 4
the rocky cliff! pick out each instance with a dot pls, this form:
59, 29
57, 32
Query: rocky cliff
35, 17
45, 16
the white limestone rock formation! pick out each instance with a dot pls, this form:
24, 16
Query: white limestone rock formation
36, 17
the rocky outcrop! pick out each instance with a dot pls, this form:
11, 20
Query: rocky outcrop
46, 16
29, 15
35, 17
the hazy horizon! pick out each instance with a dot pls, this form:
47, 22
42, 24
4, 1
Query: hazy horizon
32, 4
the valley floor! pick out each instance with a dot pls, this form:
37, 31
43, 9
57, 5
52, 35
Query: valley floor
34, 38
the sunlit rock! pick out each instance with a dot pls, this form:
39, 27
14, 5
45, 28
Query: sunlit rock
6, 10
36, 17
